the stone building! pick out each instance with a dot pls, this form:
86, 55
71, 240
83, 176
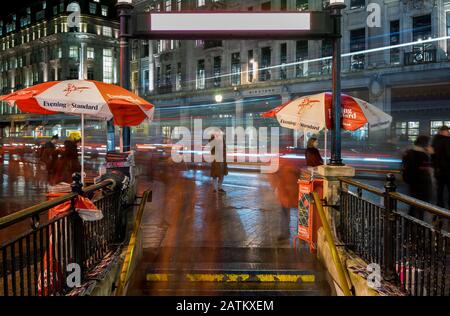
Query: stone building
38, 43
411, 80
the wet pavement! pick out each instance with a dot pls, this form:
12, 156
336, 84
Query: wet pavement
191, 233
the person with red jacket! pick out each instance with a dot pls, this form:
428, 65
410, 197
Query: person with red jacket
312, 154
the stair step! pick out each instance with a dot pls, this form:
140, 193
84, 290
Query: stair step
233, 277
233, 289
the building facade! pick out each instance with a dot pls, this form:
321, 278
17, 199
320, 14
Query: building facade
401, 65
44, 41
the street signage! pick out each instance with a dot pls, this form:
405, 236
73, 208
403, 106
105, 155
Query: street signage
232, 25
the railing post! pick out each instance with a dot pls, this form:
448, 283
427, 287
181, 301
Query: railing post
77, 187
389, 229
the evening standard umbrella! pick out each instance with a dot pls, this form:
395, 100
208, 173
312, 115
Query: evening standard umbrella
90, 99
314, 113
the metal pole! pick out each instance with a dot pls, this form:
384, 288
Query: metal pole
124, 10
336, 144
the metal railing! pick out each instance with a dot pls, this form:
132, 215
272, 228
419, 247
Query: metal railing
412, 253
46, 252
131, 249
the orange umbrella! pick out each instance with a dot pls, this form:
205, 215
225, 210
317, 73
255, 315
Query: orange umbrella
87, 98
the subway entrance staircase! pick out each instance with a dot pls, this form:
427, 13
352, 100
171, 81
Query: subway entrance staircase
199, 243
229, 272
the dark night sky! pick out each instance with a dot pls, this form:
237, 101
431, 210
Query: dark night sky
10, 6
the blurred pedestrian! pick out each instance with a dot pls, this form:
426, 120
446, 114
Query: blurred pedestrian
312, 154
417, 173
285, 184
219, 167
68, 162
49, 156
441, 164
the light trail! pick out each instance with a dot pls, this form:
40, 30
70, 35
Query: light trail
367, 51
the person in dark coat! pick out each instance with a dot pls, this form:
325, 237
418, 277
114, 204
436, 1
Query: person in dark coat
68, 162
219, 168
417, 173
49, 157
312, 154
441, 164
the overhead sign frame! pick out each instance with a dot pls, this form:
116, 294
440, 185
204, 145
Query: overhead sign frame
232, 25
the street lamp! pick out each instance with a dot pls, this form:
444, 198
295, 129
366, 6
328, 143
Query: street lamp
336, 7
219, 98
124, 11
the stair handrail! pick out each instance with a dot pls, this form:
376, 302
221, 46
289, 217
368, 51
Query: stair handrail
131, 247
330, 240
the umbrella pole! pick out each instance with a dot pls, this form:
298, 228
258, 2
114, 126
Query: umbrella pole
82, 148
326, 146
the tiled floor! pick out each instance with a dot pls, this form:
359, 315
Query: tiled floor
186, 213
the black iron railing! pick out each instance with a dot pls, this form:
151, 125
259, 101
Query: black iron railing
50, 256
423, 56
411, 252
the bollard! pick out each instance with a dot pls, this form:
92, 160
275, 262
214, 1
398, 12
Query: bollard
389, 229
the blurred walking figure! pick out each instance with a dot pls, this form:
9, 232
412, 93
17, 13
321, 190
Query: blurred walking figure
49, 157
219, 169
285, 184
68, 162
312, 154
417, 173
441, 164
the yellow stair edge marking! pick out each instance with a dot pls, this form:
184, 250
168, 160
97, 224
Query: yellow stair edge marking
234, 278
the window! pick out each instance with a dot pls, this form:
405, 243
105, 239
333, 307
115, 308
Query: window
421, 30
408, 130
201, 3
413, 130
301, 54
283, 61
168, 5
266, 6
251, 66
92, 8
327, 51
217, 71
168, 79
266, 61
107, 65
90, 74
236, 69
436, 125
201, 79
395, 40
90, 53
73, 73
179, 5
283, 5
179, 78
356, 4
107, 31
448, 33
73, 52
60, 54
301, 5
104, 10
357, 43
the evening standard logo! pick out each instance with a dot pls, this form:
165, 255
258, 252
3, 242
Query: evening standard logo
71, 88
58, 105
288, 123
309, 126
93, 108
